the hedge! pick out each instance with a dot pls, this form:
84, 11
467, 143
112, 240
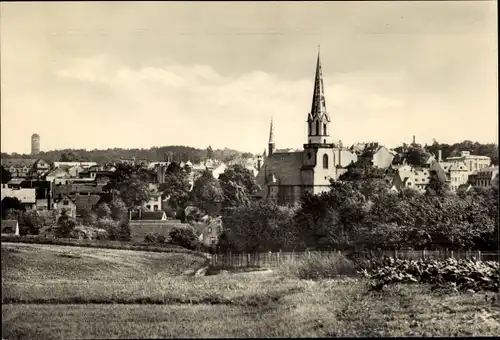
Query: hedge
105, 244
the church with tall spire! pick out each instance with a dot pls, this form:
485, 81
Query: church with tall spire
287, 174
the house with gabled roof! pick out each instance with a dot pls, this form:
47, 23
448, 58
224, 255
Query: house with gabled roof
453, 174
10, 227
65, 203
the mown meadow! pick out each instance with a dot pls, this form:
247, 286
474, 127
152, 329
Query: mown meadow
57, 292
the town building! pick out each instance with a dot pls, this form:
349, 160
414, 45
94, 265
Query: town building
485, 177
453, 174
66, 204
374, 154
10, 227
27, 197
474, 163
411, 178
25, 168
286, 174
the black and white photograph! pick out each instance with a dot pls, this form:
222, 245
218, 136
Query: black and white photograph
249, 169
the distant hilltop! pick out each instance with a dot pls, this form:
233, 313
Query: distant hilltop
177, 153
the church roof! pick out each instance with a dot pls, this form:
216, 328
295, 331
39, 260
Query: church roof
285, 167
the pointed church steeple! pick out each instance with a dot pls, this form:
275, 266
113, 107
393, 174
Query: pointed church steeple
271, 145
318, 107
318, 119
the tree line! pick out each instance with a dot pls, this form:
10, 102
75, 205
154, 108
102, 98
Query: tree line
364, 214
155, 154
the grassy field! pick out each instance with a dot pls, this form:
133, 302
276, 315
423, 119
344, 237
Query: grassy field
49, 292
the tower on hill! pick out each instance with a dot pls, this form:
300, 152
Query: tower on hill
35, 144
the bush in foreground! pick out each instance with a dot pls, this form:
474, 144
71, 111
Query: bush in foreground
185, 236
320, 266
463, 274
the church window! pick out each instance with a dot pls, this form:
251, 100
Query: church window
324, 141
324, 129
317, 128
325, 161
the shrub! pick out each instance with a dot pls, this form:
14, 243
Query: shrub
464, 274
88, 233
185, 236
320, 266
160, 239
64, 227
150, 238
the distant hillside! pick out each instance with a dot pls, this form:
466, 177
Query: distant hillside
175, 152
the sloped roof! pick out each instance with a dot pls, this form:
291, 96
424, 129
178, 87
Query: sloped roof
85, 202
285, 167
458, 166
23, 195
77, 188
422, 176
18, 162
9, 226
151, 216
58, 172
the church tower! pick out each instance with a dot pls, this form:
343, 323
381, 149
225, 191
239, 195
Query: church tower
271, 145
318, 120
318, 159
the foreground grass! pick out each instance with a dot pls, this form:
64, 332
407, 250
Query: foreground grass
45, 302
43, 264
318, 309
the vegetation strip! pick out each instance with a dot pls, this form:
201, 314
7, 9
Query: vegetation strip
98, 244
254, 300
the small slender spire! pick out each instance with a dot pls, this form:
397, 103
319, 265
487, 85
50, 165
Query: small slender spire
271, 133
318, 107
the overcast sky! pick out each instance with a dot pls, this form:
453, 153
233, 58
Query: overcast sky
98, 75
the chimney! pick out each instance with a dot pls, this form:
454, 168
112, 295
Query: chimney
413, 139
259, 162
440, 155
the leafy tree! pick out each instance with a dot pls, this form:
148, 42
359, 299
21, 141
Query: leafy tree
6, 176
118, 209
103, 211
116, 230
436, 187
238, 184
65, 225
88, 217
260, 226
184, 236
131, 182
210, 153
68, 157
206, 189
11, 203
32, 221
416, 156
176, 187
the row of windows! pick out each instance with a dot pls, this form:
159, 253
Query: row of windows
219, 230
483, 183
